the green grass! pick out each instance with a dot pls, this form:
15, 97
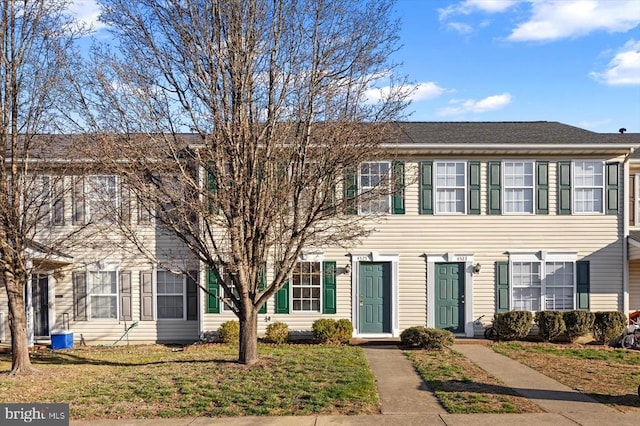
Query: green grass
462, 387
201, 380
621, 356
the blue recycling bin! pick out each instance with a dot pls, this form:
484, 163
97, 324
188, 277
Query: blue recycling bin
62, 339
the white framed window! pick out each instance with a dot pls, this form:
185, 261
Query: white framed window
518, 187
543, 281
103, 294
374, 180
170, 295
306, 286
588, 186
450, 187
101, 199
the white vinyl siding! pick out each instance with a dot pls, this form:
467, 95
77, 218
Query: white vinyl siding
518, 190
588, 186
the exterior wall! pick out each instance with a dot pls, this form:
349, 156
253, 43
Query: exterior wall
634, 285
412, 236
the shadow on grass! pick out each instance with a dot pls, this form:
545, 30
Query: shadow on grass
629, 400
68, 358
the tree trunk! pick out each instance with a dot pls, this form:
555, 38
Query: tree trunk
20, 361
248, 352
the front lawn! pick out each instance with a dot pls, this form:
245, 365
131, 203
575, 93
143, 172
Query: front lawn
199, 380
463, 387
611, 376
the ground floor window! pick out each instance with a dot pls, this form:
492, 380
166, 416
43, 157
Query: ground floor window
306, 287
103, 294
171, 295
543, 285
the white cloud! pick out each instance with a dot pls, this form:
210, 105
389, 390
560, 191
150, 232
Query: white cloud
469, 6
490, 103
418, 92
624, 68
86, 12
550, 20
557, 19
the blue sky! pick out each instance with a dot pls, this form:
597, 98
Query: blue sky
572, 61
576, 62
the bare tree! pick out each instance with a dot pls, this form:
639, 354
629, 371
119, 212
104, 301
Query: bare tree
35, 42
279, 102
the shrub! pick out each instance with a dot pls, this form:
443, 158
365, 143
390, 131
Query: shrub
277, 332
550, 323
513, 325
608, 325
578, 323
327, 330
229, 332
324, 329
426, 338
344, 330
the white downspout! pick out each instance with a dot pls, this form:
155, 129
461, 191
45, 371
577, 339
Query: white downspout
625, 234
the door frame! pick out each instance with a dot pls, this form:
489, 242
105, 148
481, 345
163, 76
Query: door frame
467, 260
356, 259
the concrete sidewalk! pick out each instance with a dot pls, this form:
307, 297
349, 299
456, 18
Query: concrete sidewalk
406, 400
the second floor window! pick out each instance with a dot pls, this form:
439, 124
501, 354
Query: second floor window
450, 187
518, 186
374, 178
100, 198
588, 187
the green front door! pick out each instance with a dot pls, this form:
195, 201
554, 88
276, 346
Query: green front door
375, 297
449, 296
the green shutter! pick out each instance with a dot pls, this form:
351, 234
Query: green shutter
329, 287
426, 187
583, 284
351, 192
398, 187
612, 188
213, 293
263, 308
542, 187
473, 172
502, 287
282, 299
564, 187
494, 204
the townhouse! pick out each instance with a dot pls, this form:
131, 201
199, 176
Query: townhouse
490, 216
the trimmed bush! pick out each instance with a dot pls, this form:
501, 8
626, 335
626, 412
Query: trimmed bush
513, 325
324, 329
550, 324
229, 332
426, 338
327, 330
344, 330
608, 325
277, 332
578, 323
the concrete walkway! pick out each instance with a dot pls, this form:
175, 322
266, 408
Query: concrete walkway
406, 400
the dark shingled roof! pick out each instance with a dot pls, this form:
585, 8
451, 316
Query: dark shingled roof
523, 132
